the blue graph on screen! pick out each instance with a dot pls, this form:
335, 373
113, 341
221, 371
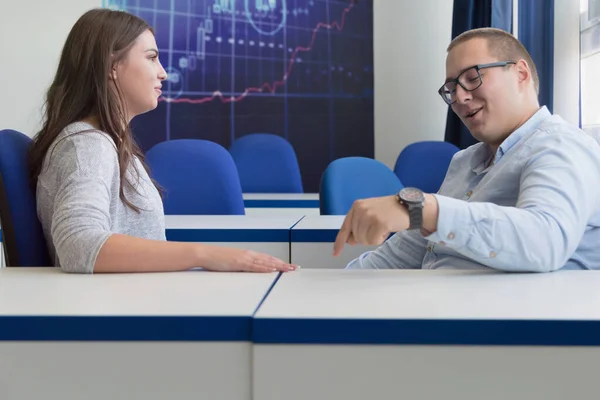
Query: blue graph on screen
302, 69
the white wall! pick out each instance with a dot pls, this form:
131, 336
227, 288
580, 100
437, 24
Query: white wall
33, 34
410, 41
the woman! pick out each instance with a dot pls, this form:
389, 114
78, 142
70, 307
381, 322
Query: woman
99, 209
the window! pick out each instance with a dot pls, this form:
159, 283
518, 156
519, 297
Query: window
590, 65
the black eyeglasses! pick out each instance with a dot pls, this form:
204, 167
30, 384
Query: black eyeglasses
470, 79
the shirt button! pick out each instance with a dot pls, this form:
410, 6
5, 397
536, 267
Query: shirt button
492, 254
469, 193
450, 236
430, 248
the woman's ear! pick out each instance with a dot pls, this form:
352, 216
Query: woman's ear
113, 74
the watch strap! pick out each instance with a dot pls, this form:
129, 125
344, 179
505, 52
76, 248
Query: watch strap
415, 214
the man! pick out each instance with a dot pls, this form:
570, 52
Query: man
526, 198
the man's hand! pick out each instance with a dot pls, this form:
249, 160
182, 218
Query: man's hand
370, 222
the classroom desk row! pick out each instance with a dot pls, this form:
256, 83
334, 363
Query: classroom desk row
309, 334
281, 204
303, 240
287, 206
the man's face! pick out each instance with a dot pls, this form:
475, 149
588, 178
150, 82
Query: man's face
490, 110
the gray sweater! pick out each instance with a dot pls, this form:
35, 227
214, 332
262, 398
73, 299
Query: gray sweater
78, 200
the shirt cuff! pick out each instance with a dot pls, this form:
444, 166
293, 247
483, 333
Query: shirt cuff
357, 263
453, 224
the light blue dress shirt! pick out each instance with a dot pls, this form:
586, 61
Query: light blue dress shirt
535, 209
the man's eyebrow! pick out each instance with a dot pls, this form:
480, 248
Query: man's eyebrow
463, 70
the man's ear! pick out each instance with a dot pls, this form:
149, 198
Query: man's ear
523, 71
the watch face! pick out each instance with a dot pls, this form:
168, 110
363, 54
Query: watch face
411, 195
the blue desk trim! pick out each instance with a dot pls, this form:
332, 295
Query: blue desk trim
126, 328
426, 332
314, 235
281, 203
229, 235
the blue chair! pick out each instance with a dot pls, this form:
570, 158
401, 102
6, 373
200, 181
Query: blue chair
199, 177
22, 234
346, 180
424, 164
266, 163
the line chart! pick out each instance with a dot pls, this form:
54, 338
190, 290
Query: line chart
301, 69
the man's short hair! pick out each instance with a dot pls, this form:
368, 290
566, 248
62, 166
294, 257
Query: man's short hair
501, 45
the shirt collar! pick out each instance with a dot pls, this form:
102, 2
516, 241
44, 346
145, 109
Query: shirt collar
483, 154
481, 158
529, 126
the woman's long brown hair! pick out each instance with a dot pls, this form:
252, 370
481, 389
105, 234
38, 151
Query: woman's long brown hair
99, 40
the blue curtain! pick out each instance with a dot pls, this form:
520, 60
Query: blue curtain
536, 32
466, 15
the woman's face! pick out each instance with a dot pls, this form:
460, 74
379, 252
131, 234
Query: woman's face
140, 76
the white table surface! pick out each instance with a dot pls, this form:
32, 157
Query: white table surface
324, 222
48, 291
441, 294
432, 307
281, 211
312, 242
230, 222
282, 196
427, 335
135, 336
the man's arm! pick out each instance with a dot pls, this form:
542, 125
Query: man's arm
403, 250
559, 193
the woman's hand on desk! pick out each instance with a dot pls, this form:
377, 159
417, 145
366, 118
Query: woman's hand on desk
227, 259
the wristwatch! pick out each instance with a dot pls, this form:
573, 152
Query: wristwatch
413, 199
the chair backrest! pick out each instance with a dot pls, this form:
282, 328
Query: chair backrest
22, 234
266, 163
424, 164
199, 177
346, 180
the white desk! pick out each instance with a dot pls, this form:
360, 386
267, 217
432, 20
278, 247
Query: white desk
428, 335
269, 235
281, 204
179, 335
312, 243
